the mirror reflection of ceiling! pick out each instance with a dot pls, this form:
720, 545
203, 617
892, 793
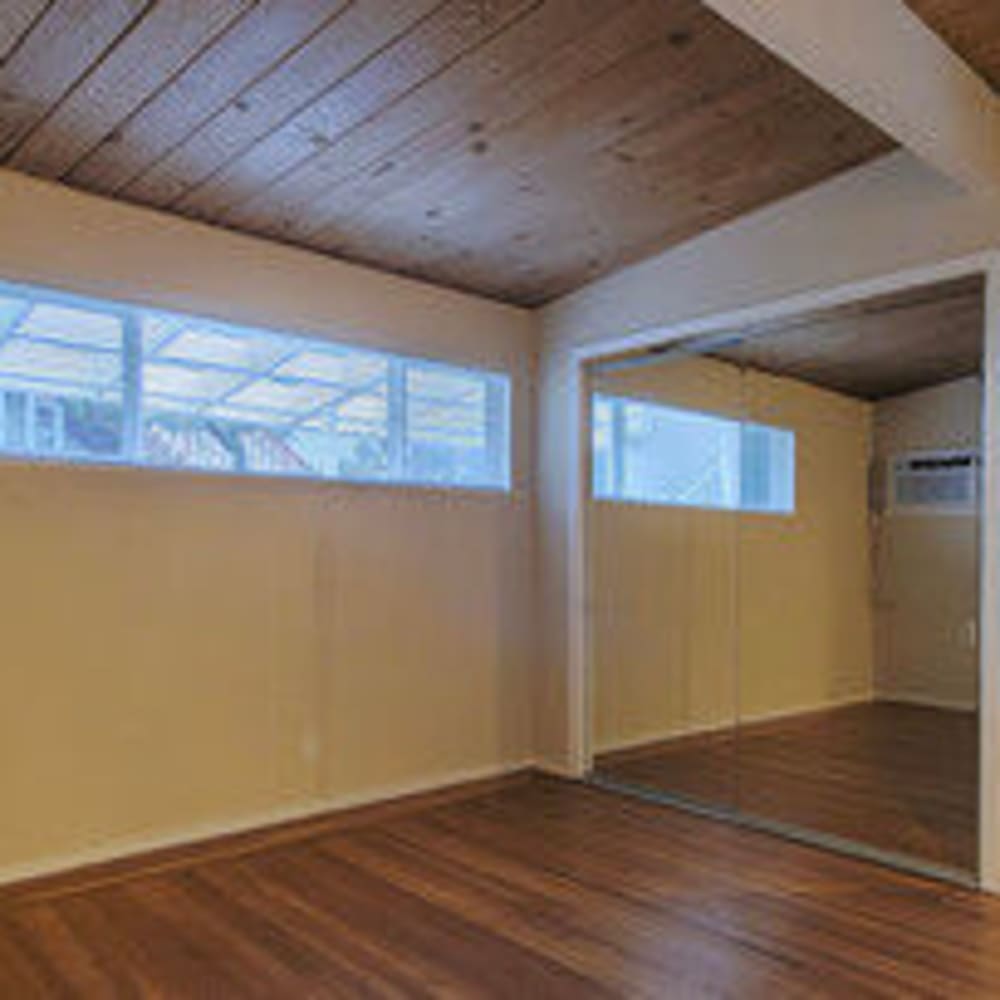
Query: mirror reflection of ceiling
870, 349
880, 347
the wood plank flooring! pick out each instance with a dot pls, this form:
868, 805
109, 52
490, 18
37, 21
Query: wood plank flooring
895, 777
543, 888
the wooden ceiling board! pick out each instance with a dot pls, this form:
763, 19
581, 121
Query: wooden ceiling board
269, 33
429, 48
308, 75
17, 17
633, 149
970, 27
156, 48
620, 84
514, 148
591, 194
63, 46
583, 241
875, 349
517, 69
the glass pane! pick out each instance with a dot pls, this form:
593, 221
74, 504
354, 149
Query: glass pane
651, 453
859, 613
159, 389
246, 351
602, 450
663, 580
353, 369
767, 468
46, 424
188, 385
673, 456
74, 326
218, 399
156, 330
358, 447
60, 381
176, 440
292, 399
24, 361
452, 418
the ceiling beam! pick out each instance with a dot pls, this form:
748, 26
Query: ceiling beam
881, 60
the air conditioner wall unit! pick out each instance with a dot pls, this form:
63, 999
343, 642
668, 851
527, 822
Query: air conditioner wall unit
934, 482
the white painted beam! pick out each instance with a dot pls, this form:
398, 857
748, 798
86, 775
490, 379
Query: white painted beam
881, 60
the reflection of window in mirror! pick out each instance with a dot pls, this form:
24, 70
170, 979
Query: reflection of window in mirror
650, 453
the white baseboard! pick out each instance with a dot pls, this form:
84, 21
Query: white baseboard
116, 850
705, 729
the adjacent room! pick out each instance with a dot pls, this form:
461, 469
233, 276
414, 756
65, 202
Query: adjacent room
499, 498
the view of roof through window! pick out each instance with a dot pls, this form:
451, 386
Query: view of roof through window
88, 382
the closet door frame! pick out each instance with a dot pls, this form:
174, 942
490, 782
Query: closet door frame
579, 677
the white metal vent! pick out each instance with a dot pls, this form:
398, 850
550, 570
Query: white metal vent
934, 482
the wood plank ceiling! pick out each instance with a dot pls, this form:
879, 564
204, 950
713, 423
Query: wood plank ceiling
877, 348
971, 28
514, 148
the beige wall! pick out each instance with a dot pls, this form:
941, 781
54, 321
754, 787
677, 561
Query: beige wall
704, 617
879, 219
310, 692
927, 566
192, 653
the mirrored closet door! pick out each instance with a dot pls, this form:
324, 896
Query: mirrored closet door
784, 575
663, 539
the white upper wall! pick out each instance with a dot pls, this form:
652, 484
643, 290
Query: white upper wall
890, 215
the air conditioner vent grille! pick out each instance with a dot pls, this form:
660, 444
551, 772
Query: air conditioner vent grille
942, 482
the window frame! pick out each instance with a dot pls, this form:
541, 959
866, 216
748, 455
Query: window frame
497, 382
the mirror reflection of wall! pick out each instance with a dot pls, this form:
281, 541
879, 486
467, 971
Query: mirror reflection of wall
784, 545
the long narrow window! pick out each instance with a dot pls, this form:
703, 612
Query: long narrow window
86, 382
650, 453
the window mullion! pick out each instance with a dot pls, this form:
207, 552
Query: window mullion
618, 445
396, 417
31, 423
497, 432
132, 388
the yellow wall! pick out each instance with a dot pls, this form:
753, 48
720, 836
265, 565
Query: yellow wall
190, 653
702, 617
927, 596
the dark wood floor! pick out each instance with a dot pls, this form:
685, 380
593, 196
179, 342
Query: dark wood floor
895, 777
542, 888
